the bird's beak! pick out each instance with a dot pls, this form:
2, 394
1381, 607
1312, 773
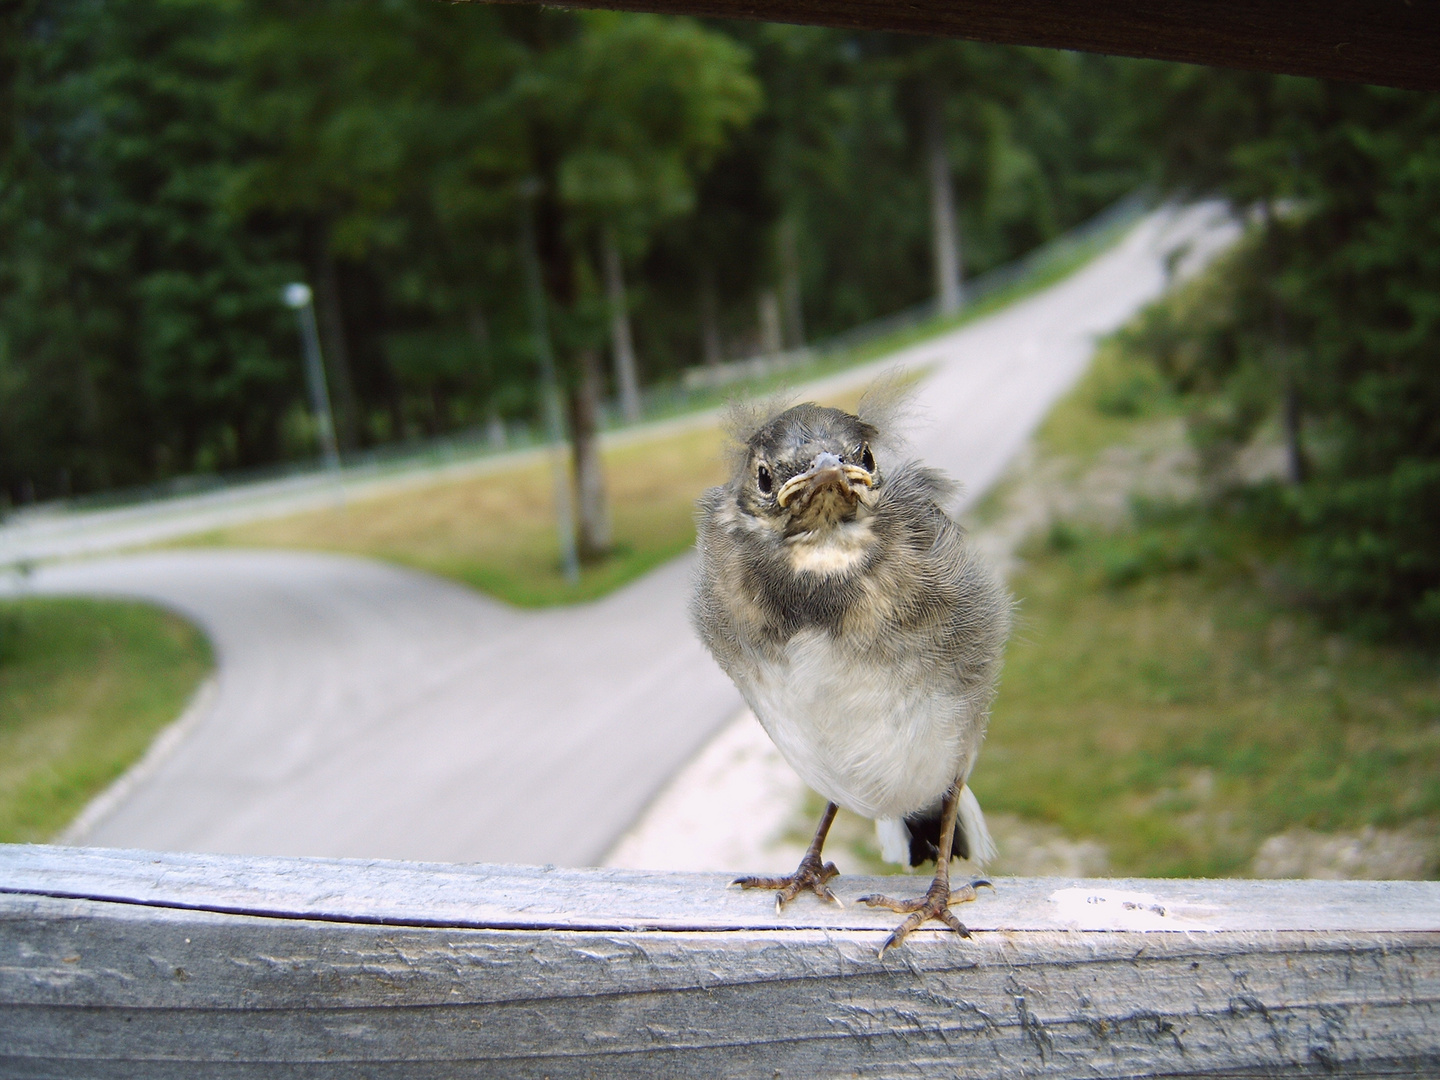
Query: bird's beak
826, 471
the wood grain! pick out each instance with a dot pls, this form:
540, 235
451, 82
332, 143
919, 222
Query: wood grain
132, 963
1388, 42
547, 897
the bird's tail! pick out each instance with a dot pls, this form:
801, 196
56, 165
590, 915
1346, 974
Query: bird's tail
895, 840
971, 822
916, 838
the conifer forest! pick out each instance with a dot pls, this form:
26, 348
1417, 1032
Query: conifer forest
167, 167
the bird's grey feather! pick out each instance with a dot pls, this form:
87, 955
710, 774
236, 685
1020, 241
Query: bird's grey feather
906, 628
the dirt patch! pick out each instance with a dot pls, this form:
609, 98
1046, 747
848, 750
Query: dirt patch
1031, 849
730, 809
1370, 854
1039, 489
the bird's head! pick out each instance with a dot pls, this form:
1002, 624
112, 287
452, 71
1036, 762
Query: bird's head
807, 471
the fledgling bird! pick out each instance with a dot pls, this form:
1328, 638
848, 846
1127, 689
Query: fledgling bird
841, 598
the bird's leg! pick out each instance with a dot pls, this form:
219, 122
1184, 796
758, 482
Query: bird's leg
810, 874
935, 904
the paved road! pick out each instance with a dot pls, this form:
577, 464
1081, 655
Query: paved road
369, 711
996, 379
366, 710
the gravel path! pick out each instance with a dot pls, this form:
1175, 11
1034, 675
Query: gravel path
364, 710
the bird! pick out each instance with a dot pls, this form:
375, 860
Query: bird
866, 635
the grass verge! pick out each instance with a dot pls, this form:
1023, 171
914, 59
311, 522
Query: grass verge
85, 685
1161, 699
1165, 692
496, 532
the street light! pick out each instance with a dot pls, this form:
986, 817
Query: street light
297, 295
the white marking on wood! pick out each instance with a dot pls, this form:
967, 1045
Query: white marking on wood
1124, 909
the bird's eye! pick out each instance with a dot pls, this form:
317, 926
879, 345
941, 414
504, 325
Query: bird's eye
763, 479
867, 459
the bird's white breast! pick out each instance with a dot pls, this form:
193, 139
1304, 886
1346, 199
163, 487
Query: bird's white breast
880, 738
830, 552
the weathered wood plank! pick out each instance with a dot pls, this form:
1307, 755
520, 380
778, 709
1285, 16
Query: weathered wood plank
530, 897
82, 985
122, 987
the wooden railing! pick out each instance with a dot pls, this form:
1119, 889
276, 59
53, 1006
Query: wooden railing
127, 963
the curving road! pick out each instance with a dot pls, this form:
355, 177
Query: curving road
370, 711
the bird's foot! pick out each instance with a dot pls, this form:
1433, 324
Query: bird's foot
935, 904
810, 874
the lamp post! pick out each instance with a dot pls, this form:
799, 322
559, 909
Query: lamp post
549, 385
297, 295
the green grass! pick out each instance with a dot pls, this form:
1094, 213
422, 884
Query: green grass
1119, 395
1166, 694
84, 687
1161, 698
496, 531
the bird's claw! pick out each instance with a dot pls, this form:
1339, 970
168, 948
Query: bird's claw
809, 875
935, 904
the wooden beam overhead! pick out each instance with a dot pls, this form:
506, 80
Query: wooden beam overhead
1387, 42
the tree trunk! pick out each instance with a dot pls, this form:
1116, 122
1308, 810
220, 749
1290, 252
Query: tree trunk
593, 526
788, 243
494, 429
771, 342
622, 345
89, 401
710, 346
337, 355
1296, 467
548, 275
479, 328
942, 211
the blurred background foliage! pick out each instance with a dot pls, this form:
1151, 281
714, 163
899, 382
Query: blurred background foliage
168, 165
1324, 326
